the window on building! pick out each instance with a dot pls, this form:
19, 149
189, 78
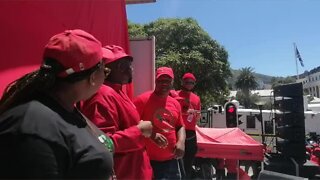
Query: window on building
268, 127
251, 121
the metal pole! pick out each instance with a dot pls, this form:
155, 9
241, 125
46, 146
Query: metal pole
296, 166
262, 125
295, 57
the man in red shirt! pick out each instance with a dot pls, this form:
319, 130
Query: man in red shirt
114, 113
167, 143
191, 113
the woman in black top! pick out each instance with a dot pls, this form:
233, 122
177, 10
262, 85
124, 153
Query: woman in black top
42, 134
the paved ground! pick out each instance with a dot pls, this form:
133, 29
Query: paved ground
250, 173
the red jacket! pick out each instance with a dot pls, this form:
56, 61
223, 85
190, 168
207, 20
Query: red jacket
114, 113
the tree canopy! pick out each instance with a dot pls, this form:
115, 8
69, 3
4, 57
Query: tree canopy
245, 82
185, 47
275, 81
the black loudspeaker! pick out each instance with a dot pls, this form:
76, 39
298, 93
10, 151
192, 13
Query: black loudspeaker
290, 103
289, 90
270, 175
289, 121
289, 118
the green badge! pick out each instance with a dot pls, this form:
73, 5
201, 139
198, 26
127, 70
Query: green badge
107, 142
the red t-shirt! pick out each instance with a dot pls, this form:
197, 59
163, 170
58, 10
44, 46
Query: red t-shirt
189, 100
165, 115
315, 156
115, 114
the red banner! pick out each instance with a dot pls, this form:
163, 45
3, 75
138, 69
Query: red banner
26, 26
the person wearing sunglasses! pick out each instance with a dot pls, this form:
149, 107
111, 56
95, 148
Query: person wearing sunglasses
114, 113
191, 113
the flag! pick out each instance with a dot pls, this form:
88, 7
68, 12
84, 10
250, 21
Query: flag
298, 56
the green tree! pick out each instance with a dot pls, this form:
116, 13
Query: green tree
184, 46
246, 82
251, 100
275, 81
136, 30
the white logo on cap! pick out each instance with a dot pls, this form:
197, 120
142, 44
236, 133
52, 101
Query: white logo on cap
69, 71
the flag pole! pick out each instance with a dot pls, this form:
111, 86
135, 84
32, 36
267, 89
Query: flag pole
295, 57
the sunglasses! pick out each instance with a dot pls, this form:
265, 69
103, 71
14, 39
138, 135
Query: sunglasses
106, 70
164, 81
189, 82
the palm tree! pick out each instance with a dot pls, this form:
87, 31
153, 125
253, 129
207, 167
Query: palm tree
246, 82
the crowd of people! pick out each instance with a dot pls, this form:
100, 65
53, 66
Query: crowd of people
72, 119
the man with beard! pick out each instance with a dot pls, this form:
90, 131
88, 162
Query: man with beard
166, 144
115, 114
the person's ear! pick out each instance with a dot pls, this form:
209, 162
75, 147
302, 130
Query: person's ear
172, 82
92, 79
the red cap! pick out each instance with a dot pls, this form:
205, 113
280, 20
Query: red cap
189, 76
164, 71
76, 50
112, 53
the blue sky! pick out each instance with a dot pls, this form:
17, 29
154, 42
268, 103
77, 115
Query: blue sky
256, 33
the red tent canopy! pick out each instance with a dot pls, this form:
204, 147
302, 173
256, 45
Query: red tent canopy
26, 27
229, 143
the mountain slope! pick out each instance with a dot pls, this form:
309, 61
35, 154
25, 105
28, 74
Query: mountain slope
259, 77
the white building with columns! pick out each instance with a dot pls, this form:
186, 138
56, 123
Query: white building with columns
311, 82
